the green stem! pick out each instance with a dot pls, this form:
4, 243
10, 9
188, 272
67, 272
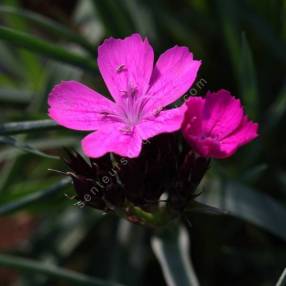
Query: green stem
159, 218
282, 279
171, 247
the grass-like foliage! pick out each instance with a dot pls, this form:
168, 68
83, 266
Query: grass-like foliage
47, 238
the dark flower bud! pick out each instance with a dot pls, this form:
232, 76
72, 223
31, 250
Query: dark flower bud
151, 189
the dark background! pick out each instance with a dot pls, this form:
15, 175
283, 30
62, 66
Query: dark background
242, 47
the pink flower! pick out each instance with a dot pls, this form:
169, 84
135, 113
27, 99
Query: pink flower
216, 126
140, 92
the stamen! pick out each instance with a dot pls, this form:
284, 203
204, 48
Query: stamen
131, 108
127, 129
110, 116
124, 92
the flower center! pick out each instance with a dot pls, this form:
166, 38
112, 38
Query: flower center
131, 107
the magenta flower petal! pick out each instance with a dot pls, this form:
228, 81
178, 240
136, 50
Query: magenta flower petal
246, 132
222, 113
193, 117
173, 75
112, 139
138, 111
165, 122
215, 126
78, 107
126, 65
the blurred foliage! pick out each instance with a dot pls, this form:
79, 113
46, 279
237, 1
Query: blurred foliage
242, 44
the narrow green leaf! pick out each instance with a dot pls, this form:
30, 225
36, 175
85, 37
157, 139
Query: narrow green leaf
114, 16
40, 144
254, 173
266, 34
26, 126
15, 96
5, 80
50, 25
195, 206
249, 205
12, 21
37, 267
8, 140
179, 31
282, 279
47, 49
126, 239
248, 83
277, 110
6, 170
228, 17
171, 248
141, 17
34, 197
10, 63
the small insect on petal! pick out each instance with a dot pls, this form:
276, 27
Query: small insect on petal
121, 68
